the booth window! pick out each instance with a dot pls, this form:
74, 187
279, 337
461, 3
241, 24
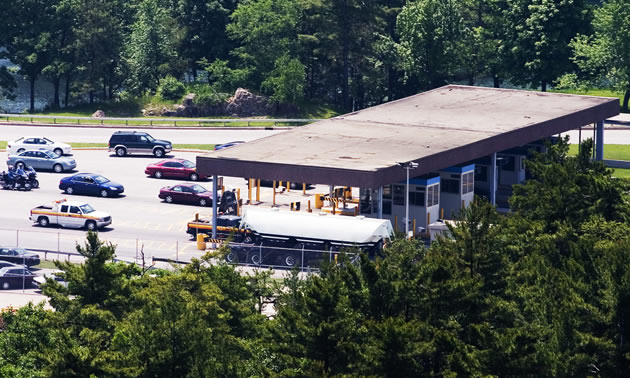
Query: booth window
387, 192
433, 195
481, 173
416, 198
468, 182
508, 163
450, 186
399, 195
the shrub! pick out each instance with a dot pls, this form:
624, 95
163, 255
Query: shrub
170, 88
206, 95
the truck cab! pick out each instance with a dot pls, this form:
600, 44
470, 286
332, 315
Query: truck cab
71, 214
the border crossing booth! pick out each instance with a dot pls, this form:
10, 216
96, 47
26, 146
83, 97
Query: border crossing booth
424, 202
457, 189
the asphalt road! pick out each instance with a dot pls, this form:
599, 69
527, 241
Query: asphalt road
101, 135
140, 220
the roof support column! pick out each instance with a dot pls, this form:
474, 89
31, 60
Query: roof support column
215, 199
599, 144
379, 202
493, 179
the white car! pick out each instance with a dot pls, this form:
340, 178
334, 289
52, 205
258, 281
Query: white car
37, 143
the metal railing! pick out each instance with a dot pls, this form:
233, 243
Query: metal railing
142, 121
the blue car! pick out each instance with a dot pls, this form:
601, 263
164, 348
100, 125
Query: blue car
90, 184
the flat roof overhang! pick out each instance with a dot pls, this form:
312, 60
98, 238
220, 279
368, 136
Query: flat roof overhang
436, 129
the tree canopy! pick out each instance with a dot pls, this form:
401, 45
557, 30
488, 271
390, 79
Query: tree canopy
349, 54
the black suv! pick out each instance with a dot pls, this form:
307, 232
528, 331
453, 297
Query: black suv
136, 142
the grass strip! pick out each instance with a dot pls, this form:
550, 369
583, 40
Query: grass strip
611, 151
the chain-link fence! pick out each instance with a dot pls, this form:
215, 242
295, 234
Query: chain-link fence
278, 256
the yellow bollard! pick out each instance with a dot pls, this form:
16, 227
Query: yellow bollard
309, 207
222, 188
258, 190
249, 191
333, 207
442, 213
196, 217
303, 188
395, 222
414, 227
288, 186
238, 194
201, 242
274, 193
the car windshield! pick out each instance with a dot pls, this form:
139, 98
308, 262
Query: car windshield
48, 140
100, 179
51, 154
198, 189
20, 251
87, 209
188, 164
150, 138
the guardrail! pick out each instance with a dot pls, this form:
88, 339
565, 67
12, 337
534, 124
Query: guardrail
141, 121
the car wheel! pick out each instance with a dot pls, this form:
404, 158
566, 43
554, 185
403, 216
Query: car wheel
104, 193
57, 168
289, 260
90, 225
58, 151
194, 177
256, 259
231, 257
19, 165
35, 183
20, 150
6, 286
69, 190
120, 151
203, 202
43, 221
158, 152
168, 199
157, 175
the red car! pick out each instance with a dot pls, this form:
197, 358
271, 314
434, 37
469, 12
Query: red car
174, 168
186, 193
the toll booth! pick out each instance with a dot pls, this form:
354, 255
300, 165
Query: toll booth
456, 189
424, 202
510, 171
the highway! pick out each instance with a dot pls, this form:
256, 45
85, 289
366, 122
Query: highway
141, 221
84, 134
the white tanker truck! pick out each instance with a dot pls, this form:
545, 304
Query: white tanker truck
272, 236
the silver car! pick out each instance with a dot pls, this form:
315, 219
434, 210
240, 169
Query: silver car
42, 159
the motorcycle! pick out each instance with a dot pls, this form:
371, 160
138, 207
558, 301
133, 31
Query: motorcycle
32, 177
13, 180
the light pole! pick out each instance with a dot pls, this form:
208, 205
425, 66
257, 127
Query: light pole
408, 166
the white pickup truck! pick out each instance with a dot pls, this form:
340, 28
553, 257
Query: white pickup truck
71, 214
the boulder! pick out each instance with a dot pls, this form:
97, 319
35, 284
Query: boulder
98, 114
246, 104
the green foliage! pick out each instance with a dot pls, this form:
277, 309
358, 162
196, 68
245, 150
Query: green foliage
224, 78
603, 57
170, 88
429, 32
286, 81
206, 95
150, 52
21, 338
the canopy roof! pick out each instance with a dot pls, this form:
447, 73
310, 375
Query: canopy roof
436, 129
